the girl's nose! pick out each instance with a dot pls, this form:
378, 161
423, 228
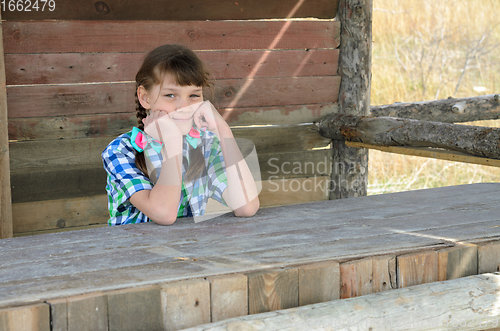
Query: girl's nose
181, 104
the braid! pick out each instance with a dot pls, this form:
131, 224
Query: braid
140, 162
140, 111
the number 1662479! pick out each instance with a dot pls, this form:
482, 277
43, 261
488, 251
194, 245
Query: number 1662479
27, 5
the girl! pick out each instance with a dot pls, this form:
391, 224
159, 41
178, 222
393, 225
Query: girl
182, 152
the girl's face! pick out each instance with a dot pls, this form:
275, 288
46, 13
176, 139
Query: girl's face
172, 99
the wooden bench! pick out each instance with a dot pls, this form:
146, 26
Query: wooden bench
194, 273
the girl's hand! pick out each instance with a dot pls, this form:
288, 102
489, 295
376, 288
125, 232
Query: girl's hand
207, 116
160, 126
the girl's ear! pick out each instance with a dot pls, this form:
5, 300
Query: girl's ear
142, 95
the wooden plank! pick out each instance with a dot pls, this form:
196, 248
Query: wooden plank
135, 309
26, 318
66, 100
68, 68
384, 273
5, 194
488, 255
273, 290
185, 303
417, 268
58, 314
434, 153
101, 125
228, 296
65, 213
137, 36
58, 214
452, 305
58, 184
319, 282
456, 262
70, 181
175, 10
82, 312
356, 278
83, 153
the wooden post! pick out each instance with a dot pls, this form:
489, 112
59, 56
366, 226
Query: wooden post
350, 165
5, 197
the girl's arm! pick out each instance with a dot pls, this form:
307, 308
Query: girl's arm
161, 203
241, 194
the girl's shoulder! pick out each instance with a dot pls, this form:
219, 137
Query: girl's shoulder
121, 144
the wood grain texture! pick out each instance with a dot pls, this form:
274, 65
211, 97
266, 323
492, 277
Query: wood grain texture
58, 314
68, 68
88, 312
140, 36
417, 268
488, 255
273, 290
101, 125
457, 262
434, 153
67, 100
354, 97
319, 282
228, 296
485, 107
66, 213
185, 303
26, 318
51, 182
392, 131
60, 213
366, 276
75, 262
135, 309
436, 306
86, 153
5, 195
175, 10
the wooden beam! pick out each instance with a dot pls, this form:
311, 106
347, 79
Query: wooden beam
354, 95
392, 131
5, 196
486, 107
448, 305
434, 153
27, 37
176, 10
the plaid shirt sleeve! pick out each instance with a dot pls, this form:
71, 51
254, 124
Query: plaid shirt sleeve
216, 172
124, 179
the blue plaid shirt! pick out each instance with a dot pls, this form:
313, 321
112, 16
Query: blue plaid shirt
124, 179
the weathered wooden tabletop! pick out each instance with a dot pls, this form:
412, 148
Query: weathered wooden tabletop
68, 263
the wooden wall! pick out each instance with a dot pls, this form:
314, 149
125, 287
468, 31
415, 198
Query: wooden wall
70, 91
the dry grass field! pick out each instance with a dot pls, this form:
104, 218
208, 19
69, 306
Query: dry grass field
427, 50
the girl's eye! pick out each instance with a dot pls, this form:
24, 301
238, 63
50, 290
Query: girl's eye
195, 96
169, 95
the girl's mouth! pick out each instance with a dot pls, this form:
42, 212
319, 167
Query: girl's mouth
183, 120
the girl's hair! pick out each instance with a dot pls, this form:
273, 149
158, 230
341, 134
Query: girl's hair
187, 69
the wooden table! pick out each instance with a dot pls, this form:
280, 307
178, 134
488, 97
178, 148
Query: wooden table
37, 269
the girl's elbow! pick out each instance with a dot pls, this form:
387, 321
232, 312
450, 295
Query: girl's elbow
164, 217
249, 209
